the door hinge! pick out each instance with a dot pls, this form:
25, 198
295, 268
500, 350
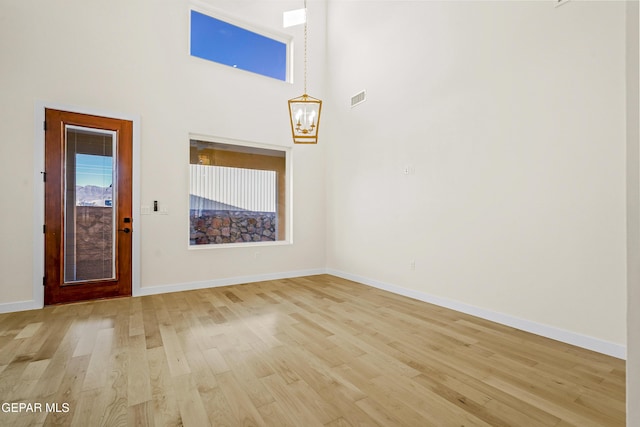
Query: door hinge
44, 281
44, 176
44, 228
44, 125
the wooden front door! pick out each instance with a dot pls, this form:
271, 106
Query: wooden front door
88, 207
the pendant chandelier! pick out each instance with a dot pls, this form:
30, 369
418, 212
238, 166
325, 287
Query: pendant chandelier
304, 111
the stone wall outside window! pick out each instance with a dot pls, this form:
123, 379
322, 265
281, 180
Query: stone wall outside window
216, 227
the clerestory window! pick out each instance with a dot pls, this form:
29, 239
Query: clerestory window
220, 41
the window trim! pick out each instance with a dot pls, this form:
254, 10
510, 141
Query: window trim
288, 198
287, 39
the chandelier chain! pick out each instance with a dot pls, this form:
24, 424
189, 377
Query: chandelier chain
305, 46
305, 58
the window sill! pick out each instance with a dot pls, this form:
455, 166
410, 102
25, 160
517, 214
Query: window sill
239, 245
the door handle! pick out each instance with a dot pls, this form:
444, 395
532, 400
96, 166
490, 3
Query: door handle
126, 229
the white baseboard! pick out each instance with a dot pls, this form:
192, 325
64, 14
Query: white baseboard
579, 340
153, 290
10, 307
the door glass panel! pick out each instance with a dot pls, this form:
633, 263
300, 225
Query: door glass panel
89, 206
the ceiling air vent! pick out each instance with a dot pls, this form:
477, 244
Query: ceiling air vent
358, 98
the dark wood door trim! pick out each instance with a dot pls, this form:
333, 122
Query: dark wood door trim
55, 292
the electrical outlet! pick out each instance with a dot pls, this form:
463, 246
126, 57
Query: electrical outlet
412, 265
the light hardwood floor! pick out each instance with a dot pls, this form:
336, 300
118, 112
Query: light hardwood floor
313, 351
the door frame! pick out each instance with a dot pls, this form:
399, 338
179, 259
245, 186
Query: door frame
38, 200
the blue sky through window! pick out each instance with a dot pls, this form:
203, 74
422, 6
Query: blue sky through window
94, 170
219, 41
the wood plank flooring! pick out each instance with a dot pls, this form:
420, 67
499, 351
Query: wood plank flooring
312, 351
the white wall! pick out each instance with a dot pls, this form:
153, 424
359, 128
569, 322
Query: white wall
511, 116
131, 57
633, 213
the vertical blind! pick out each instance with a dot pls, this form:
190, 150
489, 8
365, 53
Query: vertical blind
228, 188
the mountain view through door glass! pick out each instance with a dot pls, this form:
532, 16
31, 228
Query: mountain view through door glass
94, 180
89, 214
